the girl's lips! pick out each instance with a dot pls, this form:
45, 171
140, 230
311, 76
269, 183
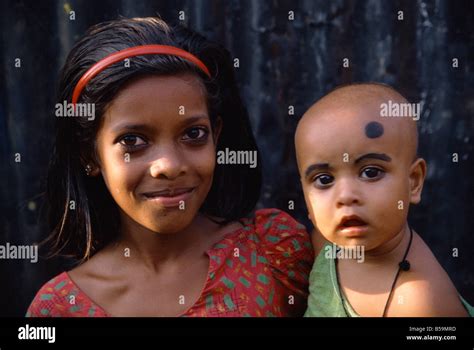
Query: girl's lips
170, 199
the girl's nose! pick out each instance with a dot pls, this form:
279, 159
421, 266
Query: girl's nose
168, 164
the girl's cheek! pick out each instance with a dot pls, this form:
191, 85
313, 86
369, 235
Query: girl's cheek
120, 172
204, 161
130, 174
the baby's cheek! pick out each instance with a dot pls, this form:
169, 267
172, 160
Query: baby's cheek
391, 208
399, 197
318, 210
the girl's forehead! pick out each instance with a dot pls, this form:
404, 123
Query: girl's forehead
161, 88
150, 98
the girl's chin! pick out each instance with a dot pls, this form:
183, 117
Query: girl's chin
170, 222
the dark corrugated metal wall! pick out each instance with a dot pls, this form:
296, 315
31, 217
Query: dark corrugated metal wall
282, 63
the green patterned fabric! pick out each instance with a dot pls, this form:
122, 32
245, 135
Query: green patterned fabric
325, 296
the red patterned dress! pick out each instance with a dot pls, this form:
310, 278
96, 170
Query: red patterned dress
266, 276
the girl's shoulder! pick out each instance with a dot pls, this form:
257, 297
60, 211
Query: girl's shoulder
60, 297
281, 240
271, 252
277, 231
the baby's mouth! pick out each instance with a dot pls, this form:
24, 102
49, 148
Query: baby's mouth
352, 222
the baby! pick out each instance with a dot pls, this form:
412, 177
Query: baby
359, 172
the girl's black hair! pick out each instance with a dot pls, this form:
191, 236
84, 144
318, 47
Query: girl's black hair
83, 216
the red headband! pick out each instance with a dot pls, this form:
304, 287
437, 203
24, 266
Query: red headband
130, 52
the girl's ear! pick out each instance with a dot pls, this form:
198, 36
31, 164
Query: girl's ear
95, 171
417, 178
90, 167
91, 170
217, 130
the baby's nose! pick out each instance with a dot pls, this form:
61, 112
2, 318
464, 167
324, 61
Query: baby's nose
347, 192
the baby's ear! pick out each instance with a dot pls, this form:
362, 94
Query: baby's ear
417, 178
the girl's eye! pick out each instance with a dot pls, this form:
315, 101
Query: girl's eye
196, 134
131, 141
324, 180
372, 173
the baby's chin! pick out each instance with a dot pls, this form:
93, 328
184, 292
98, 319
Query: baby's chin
365, 242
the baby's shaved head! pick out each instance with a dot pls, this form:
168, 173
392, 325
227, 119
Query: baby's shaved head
362, 101
357, 157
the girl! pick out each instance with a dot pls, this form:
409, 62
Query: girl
135, 193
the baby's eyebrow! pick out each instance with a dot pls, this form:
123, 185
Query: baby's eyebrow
379, 156
317, 166
326, 166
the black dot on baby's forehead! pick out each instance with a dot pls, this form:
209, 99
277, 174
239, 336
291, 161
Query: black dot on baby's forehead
373, 130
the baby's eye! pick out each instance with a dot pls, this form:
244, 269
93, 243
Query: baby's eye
132, 141
372, 173
324, 180
195, 134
